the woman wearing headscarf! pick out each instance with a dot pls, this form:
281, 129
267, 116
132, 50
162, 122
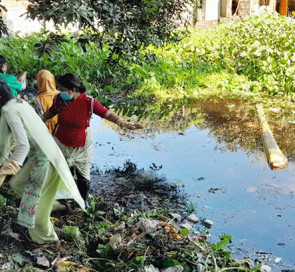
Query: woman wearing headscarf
46, 93
45, 171
72, 132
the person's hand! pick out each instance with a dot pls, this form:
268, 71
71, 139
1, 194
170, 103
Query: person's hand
124, 124
26, 98
19, 99
23, 76
9, 168
43, 118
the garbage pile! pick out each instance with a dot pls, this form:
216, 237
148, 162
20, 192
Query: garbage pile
137, 221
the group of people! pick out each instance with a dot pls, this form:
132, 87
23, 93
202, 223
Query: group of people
52, 145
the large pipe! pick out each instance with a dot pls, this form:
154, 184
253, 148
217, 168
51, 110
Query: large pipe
275, 156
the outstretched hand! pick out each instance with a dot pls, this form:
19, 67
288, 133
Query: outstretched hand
23, 76
129, 125
132, 126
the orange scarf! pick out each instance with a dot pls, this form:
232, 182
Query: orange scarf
46, 93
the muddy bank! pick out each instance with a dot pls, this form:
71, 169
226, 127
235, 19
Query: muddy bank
137, 189
137, 222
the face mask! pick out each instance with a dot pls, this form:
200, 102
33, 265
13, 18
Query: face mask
66, 96
3, 71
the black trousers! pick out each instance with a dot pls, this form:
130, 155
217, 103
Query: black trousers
82, 183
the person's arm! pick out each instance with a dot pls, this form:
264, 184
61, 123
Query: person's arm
13, 165
22, 143
51, 112
38, 107
112, 117
14, 83
23, 81
48, 115
103, 112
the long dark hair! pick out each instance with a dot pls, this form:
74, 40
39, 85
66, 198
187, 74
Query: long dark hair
2, 62
71, 81
5, 93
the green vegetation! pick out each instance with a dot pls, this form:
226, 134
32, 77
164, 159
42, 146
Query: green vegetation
123, 24
247, 56
252, 58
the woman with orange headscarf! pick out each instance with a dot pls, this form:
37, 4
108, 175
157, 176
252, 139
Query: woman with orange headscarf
46, 93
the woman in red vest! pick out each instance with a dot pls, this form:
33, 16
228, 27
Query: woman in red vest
72, 133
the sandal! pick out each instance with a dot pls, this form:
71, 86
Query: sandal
62, 206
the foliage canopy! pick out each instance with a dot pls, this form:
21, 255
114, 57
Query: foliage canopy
135, 21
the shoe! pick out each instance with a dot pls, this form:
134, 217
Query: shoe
61, 206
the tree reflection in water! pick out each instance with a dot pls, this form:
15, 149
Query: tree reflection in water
231, 121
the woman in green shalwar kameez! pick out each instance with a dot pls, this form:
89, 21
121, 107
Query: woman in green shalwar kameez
15, 85
42, 175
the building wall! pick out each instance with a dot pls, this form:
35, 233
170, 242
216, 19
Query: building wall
245, 8
226, 8
15, 19
212, 10
15, 3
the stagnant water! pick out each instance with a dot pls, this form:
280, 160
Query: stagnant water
217, 158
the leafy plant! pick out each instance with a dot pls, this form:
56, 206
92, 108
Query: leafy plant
2, 200
126, 24
207, 62
191, 208
73, 233
104, 250
49, 44
220, 246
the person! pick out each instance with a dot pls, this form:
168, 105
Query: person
46, 93
72, 132
44, 174
14, 84
234, 6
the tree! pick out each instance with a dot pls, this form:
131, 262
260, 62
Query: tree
3, 27
136, 21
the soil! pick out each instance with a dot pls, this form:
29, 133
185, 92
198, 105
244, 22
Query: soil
122, 202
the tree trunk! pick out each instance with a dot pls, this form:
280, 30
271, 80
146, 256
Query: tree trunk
197, 17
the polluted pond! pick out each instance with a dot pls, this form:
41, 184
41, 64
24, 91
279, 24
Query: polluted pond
191, 192
137, 221
214, 150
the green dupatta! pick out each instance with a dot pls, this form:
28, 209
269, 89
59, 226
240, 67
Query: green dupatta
13, 111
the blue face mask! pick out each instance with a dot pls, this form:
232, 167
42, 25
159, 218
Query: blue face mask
3, 71
66, 96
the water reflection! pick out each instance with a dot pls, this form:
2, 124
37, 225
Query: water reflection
216, 144
230, 121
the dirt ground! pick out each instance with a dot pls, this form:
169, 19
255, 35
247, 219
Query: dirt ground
133, 224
